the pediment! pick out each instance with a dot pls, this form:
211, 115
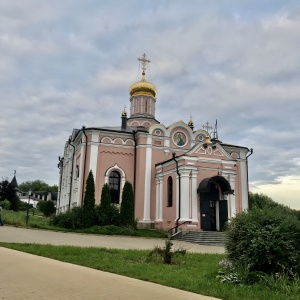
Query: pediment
216, 151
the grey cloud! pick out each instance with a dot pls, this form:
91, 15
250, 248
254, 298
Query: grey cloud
68, 64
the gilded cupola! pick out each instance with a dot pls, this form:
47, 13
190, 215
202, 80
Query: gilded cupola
143, 87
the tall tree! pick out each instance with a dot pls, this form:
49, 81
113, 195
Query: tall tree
7, 191
127, 205
105, 205
89, 202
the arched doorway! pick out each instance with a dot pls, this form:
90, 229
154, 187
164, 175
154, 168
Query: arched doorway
213, 206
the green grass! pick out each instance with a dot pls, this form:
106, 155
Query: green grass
18, 218
195, 272
37, 220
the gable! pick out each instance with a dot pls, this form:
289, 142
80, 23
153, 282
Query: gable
212, 151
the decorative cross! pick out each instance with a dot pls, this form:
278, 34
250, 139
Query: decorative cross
206, 126
144, 61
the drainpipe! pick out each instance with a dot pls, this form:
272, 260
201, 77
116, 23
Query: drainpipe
179, 190
86, 141
61, 171
134, 168
251, 152
70, 196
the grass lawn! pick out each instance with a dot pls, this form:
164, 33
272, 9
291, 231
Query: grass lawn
37, 220
194, 272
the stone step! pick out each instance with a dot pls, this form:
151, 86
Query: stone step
201, 237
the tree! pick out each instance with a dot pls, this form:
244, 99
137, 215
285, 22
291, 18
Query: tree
105, 206
37, 186
127, 205
46, 207
8, 192
261, 201
89, 202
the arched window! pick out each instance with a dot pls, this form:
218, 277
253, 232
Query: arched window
170, 191
114, 184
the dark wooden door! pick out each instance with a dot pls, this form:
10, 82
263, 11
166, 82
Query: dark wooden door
223, 213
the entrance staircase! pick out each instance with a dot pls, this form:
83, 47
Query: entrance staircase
215, 238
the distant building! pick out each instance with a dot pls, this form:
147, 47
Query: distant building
179, 174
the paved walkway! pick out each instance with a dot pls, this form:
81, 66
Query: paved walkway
26, 276
33, 236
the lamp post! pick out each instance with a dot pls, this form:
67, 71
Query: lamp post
27, 216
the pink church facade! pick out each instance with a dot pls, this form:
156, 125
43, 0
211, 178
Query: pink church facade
181, 177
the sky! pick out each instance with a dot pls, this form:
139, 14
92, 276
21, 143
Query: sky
65, 64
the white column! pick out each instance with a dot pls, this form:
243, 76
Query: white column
217, 215
94, 155
159, 199
231, 198
194, 197
148, 179
177, 195
244, 184
184, 207
81, 171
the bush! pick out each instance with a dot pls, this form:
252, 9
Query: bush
72, 219
5, 204
166, 253
127, 206
46, 207
89, 202
106, 212
266, 240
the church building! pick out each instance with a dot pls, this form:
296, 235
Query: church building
182, 177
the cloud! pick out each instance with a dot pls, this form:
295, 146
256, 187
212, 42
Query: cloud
68, 64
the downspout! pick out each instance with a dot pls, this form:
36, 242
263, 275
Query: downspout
70, 196
179, 190
83, 130
251, 152
134, 167
60, 168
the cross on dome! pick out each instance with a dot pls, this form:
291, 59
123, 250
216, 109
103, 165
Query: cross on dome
206, 126
144, 61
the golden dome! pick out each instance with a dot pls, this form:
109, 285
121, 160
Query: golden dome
143, 87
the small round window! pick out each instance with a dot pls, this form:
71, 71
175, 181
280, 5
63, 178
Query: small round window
200, 137
157, 132
179, 139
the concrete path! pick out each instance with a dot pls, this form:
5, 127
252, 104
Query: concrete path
33, 236
26, 276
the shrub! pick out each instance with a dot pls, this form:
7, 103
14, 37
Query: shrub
127, 206
266, 240
72, 219
106, 212
89, 202
5, 204
46, 207
166, 252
